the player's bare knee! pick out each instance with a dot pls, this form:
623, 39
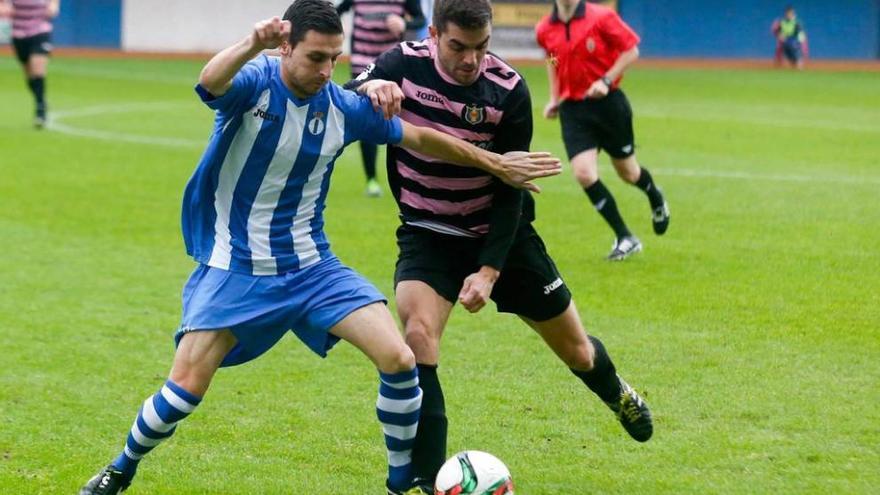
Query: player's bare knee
586, 176
580, 357
400, 359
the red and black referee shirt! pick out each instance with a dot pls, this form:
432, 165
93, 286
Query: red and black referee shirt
583, 49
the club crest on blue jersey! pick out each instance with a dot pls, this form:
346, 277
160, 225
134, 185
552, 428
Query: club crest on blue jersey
316, 125
473, 114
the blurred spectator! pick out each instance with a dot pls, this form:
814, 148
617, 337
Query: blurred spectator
791, 39
32, 40
378, 25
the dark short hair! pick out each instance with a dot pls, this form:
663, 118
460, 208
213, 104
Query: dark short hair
466, 14
311, 15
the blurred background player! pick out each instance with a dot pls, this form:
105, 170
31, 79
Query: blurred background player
589, 47
378, 25
32, 40
791, 39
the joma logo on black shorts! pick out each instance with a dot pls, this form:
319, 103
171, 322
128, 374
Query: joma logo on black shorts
552, 286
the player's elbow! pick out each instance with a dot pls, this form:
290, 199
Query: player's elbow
634, 53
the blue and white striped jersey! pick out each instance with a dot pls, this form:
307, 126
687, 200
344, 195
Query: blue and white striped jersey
255, 202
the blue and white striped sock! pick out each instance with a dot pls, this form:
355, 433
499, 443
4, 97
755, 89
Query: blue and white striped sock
156, 421
398, 407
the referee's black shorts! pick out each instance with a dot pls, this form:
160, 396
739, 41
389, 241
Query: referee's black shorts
604, 123
38, 44
529, 285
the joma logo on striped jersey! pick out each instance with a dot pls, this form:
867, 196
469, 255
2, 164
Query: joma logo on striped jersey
266, 116
429, 97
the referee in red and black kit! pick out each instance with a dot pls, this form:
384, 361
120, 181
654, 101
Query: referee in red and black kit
589, 47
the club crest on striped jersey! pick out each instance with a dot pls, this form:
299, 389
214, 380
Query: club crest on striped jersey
474, 114
316, 125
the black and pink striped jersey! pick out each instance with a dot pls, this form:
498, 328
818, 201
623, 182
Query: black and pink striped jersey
494, 113
370, 36
30, 18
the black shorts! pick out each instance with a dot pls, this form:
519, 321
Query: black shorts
529, 285
604, 123
38, 44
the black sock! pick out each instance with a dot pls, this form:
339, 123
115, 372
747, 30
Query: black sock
38, 88
602, 379
429, 450
646, 183
604, 202
368, 152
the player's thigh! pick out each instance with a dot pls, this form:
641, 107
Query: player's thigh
37, 65
424, 314
627, 168
565, 335
585, 167
373, 331
199, 354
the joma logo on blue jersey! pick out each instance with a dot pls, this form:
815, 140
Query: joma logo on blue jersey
266, 116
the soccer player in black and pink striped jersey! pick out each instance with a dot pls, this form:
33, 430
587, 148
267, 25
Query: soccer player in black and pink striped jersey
465, 237
32, 40
378, 25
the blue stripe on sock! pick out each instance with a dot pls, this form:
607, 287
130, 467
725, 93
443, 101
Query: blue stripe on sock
398, 445
167, 413
182, 393
399, 377
398, 419
399, 393
148, 432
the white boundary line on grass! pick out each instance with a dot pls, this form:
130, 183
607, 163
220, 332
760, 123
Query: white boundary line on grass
56, 124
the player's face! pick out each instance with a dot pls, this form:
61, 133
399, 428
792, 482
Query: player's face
461, 51
307, 67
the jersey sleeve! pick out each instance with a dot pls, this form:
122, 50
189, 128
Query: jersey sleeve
254, 75
514, 134
617, 33
388, 67
539, 36
364, 123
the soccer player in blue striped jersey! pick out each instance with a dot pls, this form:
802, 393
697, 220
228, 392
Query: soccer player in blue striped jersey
253, 220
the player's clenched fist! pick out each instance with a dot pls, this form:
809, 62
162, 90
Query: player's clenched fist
271, 33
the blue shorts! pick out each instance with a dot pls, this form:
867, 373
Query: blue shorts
261, 309
792, 50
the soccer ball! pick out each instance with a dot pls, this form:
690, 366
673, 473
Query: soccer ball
473, 473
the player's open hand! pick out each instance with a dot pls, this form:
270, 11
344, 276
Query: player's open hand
598, 89
551, 110
387, 97
395, 24
271, 33
519, 168
477, 288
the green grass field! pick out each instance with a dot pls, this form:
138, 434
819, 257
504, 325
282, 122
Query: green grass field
751, 327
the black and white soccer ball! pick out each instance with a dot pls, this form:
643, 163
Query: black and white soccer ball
473, 472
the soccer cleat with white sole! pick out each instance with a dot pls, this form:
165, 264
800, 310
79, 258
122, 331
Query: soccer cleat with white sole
660, 218
624, 248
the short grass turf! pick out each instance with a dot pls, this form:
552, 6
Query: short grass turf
751, 327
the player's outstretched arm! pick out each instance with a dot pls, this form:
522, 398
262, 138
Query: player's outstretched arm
216, 76
517, 168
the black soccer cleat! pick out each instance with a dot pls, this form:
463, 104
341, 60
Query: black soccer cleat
633, 413
624, 247
109, 481
660, 218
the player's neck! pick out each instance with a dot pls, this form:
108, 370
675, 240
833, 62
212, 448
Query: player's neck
565, 13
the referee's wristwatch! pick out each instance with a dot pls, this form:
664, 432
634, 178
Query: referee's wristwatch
608, 82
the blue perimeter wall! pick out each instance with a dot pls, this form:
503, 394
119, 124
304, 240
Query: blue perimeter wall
838, 29
89, 23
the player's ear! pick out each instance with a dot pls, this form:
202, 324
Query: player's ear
285, 49
432, 31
